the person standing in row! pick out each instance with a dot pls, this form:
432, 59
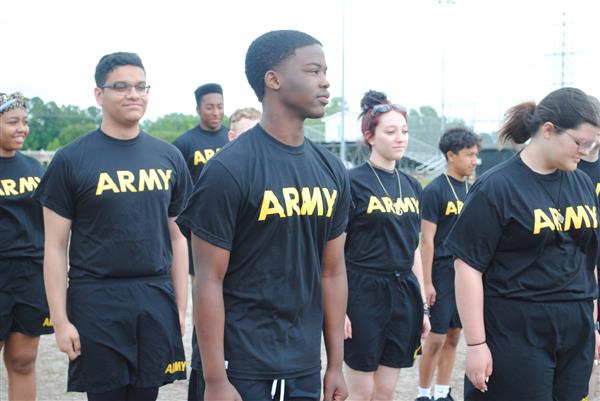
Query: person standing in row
590, 164
241, 121
199, 144
23, 308
269, 260
442, 202
526, 245
385, 299
111, 198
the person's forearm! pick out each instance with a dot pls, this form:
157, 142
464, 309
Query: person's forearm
179, 272
469, 300
427, 261
335, 298
418, 271
55, 282
209, 317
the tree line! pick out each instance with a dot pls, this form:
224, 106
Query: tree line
53, 126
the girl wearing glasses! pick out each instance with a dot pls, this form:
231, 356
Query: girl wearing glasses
23, 308
526, 245
385, 316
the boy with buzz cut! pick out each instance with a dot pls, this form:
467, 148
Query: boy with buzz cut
269, 256
440, 206
111, 198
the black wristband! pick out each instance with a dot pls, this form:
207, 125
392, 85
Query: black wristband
476, 344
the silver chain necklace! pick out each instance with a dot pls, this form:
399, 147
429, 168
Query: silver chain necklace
381, 183
452, 188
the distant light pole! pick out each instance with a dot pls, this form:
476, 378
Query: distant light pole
343, 113
443, 106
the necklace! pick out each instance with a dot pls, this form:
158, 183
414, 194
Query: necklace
452, 188
381, 183
561, 218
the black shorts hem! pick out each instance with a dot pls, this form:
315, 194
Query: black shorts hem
32, 333
398, 365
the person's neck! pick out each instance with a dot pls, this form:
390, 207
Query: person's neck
533, 157
282, 124
118, 131
7, 153
382, 163
451, 172
591, 158
207, 128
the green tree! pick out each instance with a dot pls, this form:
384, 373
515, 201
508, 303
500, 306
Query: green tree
70, 133
48, 120
425, 124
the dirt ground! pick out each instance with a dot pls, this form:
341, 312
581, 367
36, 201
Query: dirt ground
52, 375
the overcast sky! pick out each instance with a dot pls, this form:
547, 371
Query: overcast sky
484, 55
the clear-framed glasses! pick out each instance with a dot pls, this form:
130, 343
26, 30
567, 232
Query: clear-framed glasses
584, 146
123, 87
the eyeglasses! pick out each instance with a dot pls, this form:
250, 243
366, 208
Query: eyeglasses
384, 108
584, 146
123, 87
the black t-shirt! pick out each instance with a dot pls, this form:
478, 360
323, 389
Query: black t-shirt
274, 207
592, 169
383, 231
21, 222
510, 230
441, 207
118, 195
199, 146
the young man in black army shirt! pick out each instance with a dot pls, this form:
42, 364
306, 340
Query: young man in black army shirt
441, 204
199, 144
269, 262
117, 191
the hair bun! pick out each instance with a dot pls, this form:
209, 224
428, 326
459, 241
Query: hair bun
372, 98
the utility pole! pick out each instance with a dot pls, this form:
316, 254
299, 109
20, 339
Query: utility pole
343, 111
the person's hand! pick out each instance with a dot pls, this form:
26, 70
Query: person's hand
478, 365
347, 328
334, 385
221, 390
430, 294
426, 326
67, 339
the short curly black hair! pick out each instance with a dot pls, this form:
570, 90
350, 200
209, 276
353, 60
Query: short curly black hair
270, 49
457, 138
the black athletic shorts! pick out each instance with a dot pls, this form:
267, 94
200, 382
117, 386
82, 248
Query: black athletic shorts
190, 258
305, 388
386, 312
23, 305
129, 331
444, 314
540, 351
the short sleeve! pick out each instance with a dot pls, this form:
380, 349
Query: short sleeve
477, 232
340, 216
211, 212
180, 144
182, 188
430, 205
55, 190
